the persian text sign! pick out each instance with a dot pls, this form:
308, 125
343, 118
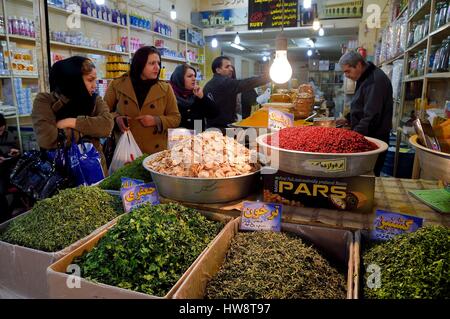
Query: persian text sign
261, 216
263, 14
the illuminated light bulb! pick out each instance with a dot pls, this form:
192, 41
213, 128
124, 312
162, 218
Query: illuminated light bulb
316, 25
173, 13
307, 4
214, 43
100, 2
321, 32
237, 39
309, 53
264, 58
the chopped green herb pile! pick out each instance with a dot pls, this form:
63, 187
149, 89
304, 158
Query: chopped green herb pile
57, 222
273, 265
150, 248
133, 170
412, 265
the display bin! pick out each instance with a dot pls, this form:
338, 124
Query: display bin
335, 245
23, 269
57, 278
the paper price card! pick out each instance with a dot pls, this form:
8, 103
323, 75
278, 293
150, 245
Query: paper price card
388, 225
261, 216
136, 196
279, 120
130, 182
175, 135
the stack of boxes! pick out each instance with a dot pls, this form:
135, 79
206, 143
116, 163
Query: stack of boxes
23, 95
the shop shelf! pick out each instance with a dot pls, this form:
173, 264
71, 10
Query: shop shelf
168, 58
85, 17
441, 29
194, 62
17, 76
389, 61
194, 45
443, 75
417, 78
423, 10
419, 45
401, 13
11, 117
84, 48
18, 37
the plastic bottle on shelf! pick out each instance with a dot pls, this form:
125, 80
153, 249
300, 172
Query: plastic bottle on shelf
84, 7
15, 25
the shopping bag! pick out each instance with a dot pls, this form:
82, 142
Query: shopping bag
90, 163
126, 151
73, 164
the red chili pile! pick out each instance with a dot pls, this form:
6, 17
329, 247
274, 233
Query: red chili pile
322, 140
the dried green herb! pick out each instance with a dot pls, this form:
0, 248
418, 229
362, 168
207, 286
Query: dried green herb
133, 170
57, 222
149, 249
274, 266
412, 265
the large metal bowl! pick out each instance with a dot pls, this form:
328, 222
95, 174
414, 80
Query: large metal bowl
202, 190
434, 165
322, 164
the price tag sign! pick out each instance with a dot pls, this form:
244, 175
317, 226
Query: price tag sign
388, 224
279, 120
130, 182
175, 135
139, 195
261, 216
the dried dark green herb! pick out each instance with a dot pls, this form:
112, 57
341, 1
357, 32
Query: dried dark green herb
149, 249
412, 265
57, 222
133, 170
274, 266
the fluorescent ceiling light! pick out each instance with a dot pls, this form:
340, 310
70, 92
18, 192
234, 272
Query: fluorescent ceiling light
100, 2
214, 43
237, 46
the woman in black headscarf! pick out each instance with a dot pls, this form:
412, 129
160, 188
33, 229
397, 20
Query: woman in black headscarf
193, 104
71, 104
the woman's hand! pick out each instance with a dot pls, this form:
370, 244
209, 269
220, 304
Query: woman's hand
122, 123
146, 120
66, 123
14, 152
198, 91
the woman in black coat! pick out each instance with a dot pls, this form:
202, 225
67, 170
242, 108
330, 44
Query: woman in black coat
193, 104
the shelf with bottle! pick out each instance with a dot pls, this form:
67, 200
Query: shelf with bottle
92, 12
85, 48
418, 9
418, 45
441, 15
19, 38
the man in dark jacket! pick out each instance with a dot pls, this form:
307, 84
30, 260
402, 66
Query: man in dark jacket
372, 106
224, 90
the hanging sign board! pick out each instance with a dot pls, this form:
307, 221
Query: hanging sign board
265, 14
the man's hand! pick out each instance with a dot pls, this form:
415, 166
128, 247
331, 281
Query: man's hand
14, 152
198, 91
122, 123
146, 120
66, 123
342, 123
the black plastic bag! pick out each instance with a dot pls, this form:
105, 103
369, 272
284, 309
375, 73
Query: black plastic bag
37, 176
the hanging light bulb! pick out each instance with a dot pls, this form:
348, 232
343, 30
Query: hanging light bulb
281, 70
316, 24
237, 40
214, 43
173, 13
307, 4
264, 58
309, 52
321, 32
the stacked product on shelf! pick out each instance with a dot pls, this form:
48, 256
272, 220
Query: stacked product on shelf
77, 38
140, 21
22, 60
116, 66
442, 14
92, 9
135, 44
419, 30
23, 95
163, 28
21, 26
439, 58
193, 37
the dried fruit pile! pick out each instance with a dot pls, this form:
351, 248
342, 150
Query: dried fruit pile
273, 265
207, 155
321, 140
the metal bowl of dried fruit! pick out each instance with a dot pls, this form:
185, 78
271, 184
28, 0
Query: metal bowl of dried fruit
321, 164
199, 189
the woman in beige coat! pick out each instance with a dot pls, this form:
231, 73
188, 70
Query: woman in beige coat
72, 104
142, 103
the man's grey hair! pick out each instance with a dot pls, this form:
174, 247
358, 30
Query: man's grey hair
352, 58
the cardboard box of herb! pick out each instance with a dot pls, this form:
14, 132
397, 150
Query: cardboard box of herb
133, 170
273, 265
149, 249
57, 222
412, 265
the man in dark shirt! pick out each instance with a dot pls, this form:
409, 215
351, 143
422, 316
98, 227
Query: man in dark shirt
371, 108
224, 90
